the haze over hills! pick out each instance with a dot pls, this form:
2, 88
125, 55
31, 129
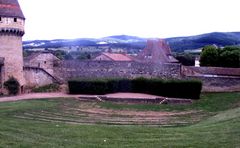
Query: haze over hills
178, 44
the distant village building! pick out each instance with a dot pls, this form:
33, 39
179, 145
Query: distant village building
197, 62
113, 57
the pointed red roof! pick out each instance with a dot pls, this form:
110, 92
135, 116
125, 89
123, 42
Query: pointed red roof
10, 8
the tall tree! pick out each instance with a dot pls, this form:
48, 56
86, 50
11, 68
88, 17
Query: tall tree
209, 56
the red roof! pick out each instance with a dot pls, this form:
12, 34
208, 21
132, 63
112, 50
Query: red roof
10, 8
118, 56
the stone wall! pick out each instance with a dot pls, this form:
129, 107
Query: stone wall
65, 70
8, 22
11, 51
220, 71
218, 84
41, 60
37, 77
110, 69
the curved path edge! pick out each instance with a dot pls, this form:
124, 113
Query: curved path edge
31, 96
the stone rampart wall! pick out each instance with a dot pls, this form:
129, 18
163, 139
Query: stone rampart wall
220, 71
65, 70
218, 84
37, 77
109, 69
215, 79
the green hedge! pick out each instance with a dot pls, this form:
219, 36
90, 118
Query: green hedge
12, 85
190, 89
47, 88
118, 85
95, 86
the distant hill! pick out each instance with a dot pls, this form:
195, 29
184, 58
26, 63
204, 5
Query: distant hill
178, 44
198, 41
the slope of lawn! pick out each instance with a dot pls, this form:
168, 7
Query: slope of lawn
209, 102
220, 129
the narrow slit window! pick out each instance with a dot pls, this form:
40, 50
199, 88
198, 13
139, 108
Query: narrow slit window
0, 19
15, 19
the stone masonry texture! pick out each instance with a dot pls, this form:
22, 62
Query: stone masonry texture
11, 51
110, 69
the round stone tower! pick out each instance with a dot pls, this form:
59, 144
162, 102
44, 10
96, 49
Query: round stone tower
11, 32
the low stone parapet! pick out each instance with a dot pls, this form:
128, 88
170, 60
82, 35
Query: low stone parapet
158, 100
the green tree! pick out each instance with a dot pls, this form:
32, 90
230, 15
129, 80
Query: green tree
27, 53
84, 56
209, 56
186, 59
12, 85
60, 54
68, 56
230, 57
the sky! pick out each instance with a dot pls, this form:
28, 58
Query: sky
69, 19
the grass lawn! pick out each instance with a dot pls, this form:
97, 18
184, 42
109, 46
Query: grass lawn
210, 102
63, 123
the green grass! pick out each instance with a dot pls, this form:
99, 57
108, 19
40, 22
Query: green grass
210, 102
220, 130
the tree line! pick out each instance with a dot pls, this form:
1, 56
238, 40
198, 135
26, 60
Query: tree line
213, 56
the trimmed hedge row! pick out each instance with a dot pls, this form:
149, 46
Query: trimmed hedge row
190, 89
47, 88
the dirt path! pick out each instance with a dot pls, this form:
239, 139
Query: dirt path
64, 95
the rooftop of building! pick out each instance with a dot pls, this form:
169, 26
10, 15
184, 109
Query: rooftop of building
158, 50
10, 8
35, 55
117, 56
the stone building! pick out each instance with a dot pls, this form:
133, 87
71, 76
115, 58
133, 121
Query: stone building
11, 31
44, 60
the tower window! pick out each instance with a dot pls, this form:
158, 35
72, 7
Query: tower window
15, 19
0, 19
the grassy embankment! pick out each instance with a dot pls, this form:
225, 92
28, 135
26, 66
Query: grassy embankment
49, 123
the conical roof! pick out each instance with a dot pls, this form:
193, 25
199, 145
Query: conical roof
10, 8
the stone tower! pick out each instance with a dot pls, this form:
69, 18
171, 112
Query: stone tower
11, 32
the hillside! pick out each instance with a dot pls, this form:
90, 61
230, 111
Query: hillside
178, 44
198, 41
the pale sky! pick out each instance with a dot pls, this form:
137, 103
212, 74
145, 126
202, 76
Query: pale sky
68, 19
